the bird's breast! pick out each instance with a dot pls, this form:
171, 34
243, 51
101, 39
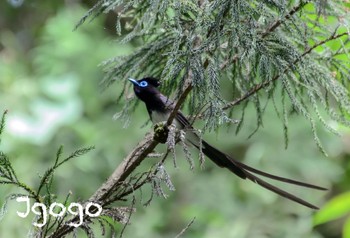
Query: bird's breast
157, 116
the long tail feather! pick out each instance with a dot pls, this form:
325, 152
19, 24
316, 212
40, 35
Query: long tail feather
278, 178
221, 160
246, 172
280, 191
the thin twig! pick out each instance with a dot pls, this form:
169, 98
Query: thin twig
150, 174
186, 228
128, 219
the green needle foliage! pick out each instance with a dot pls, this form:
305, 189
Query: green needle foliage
43, 194
294, 50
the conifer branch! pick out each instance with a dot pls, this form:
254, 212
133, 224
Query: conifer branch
278, 22
262, 85
269, 30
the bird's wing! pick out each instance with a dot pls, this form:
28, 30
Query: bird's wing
170, 105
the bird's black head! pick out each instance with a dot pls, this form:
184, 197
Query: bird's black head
145, 88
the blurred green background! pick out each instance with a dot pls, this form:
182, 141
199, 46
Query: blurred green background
49, 82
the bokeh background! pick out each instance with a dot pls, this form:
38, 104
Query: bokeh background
49, 83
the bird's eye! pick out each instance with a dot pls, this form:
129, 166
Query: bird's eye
143, 84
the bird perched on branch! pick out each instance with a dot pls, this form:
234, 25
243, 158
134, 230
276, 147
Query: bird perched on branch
159, 108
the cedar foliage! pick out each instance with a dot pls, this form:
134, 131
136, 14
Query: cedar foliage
264, 49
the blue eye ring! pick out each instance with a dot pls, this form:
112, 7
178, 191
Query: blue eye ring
143, 84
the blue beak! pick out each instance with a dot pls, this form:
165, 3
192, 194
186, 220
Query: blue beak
134, 81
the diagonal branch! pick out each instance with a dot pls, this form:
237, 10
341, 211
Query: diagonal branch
128, 165
180, 101
267, 31
278, 22
262, 85
121, 173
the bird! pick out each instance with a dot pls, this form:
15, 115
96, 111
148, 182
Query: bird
160, 107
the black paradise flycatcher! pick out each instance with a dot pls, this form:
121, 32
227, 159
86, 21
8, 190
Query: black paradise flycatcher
159, 108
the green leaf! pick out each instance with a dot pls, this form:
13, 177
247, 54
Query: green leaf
337, 207
346, 228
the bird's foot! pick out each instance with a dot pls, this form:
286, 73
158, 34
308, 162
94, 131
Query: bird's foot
161, 132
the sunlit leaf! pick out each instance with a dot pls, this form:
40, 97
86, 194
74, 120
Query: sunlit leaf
346, 228
335, 208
